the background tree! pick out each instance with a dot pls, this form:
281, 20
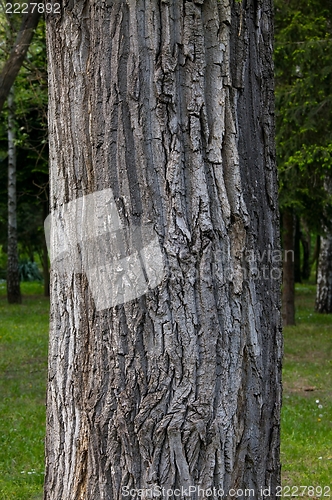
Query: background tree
13, 64
324, 276
32, 155
13, 278
171, 106
303, 102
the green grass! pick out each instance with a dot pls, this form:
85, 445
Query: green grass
23, 366
306, 437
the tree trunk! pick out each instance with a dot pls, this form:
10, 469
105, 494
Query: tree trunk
297, 252
169, 104
288, 283
306, 245
44, 259
324, 275
13, 276
315, 257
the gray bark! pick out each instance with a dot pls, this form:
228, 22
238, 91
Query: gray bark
170, 104
324, 275
13, 278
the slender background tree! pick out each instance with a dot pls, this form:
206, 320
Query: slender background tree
31, 147
13, 278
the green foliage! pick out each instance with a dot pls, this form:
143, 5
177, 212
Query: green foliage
303, 68
29, 271
3, 263
31, 143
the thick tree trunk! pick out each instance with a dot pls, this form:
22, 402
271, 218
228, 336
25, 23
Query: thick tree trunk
288, 283
169, 104
13, 277
324, 276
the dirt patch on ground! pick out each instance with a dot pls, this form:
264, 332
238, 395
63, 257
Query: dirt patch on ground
300, 386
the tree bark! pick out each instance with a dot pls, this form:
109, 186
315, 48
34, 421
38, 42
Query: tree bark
324, 275
306, 245
17, 55
170, 104
13, 276
297, 252
288, 288
315, 257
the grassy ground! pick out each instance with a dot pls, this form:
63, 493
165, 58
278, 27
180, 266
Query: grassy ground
23, 364
307, 405
307, 402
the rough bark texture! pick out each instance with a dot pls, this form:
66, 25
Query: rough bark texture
17, 55
324, 276
288, 282
169, 103
13, 277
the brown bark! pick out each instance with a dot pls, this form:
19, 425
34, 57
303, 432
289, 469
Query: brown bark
169, 104
288, 288
13, 277
306, 246
297, 252
17, 55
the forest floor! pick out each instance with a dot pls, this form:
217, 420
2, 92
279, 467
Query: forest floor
306, 435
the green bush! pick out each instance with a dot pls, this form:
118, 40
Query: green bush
3, 263
29, 271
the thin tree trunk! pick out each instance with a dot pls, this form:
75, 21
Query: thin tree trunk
169, 104
288, 283
13, 277
46, 271
297, 252
324, 275
306, 245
